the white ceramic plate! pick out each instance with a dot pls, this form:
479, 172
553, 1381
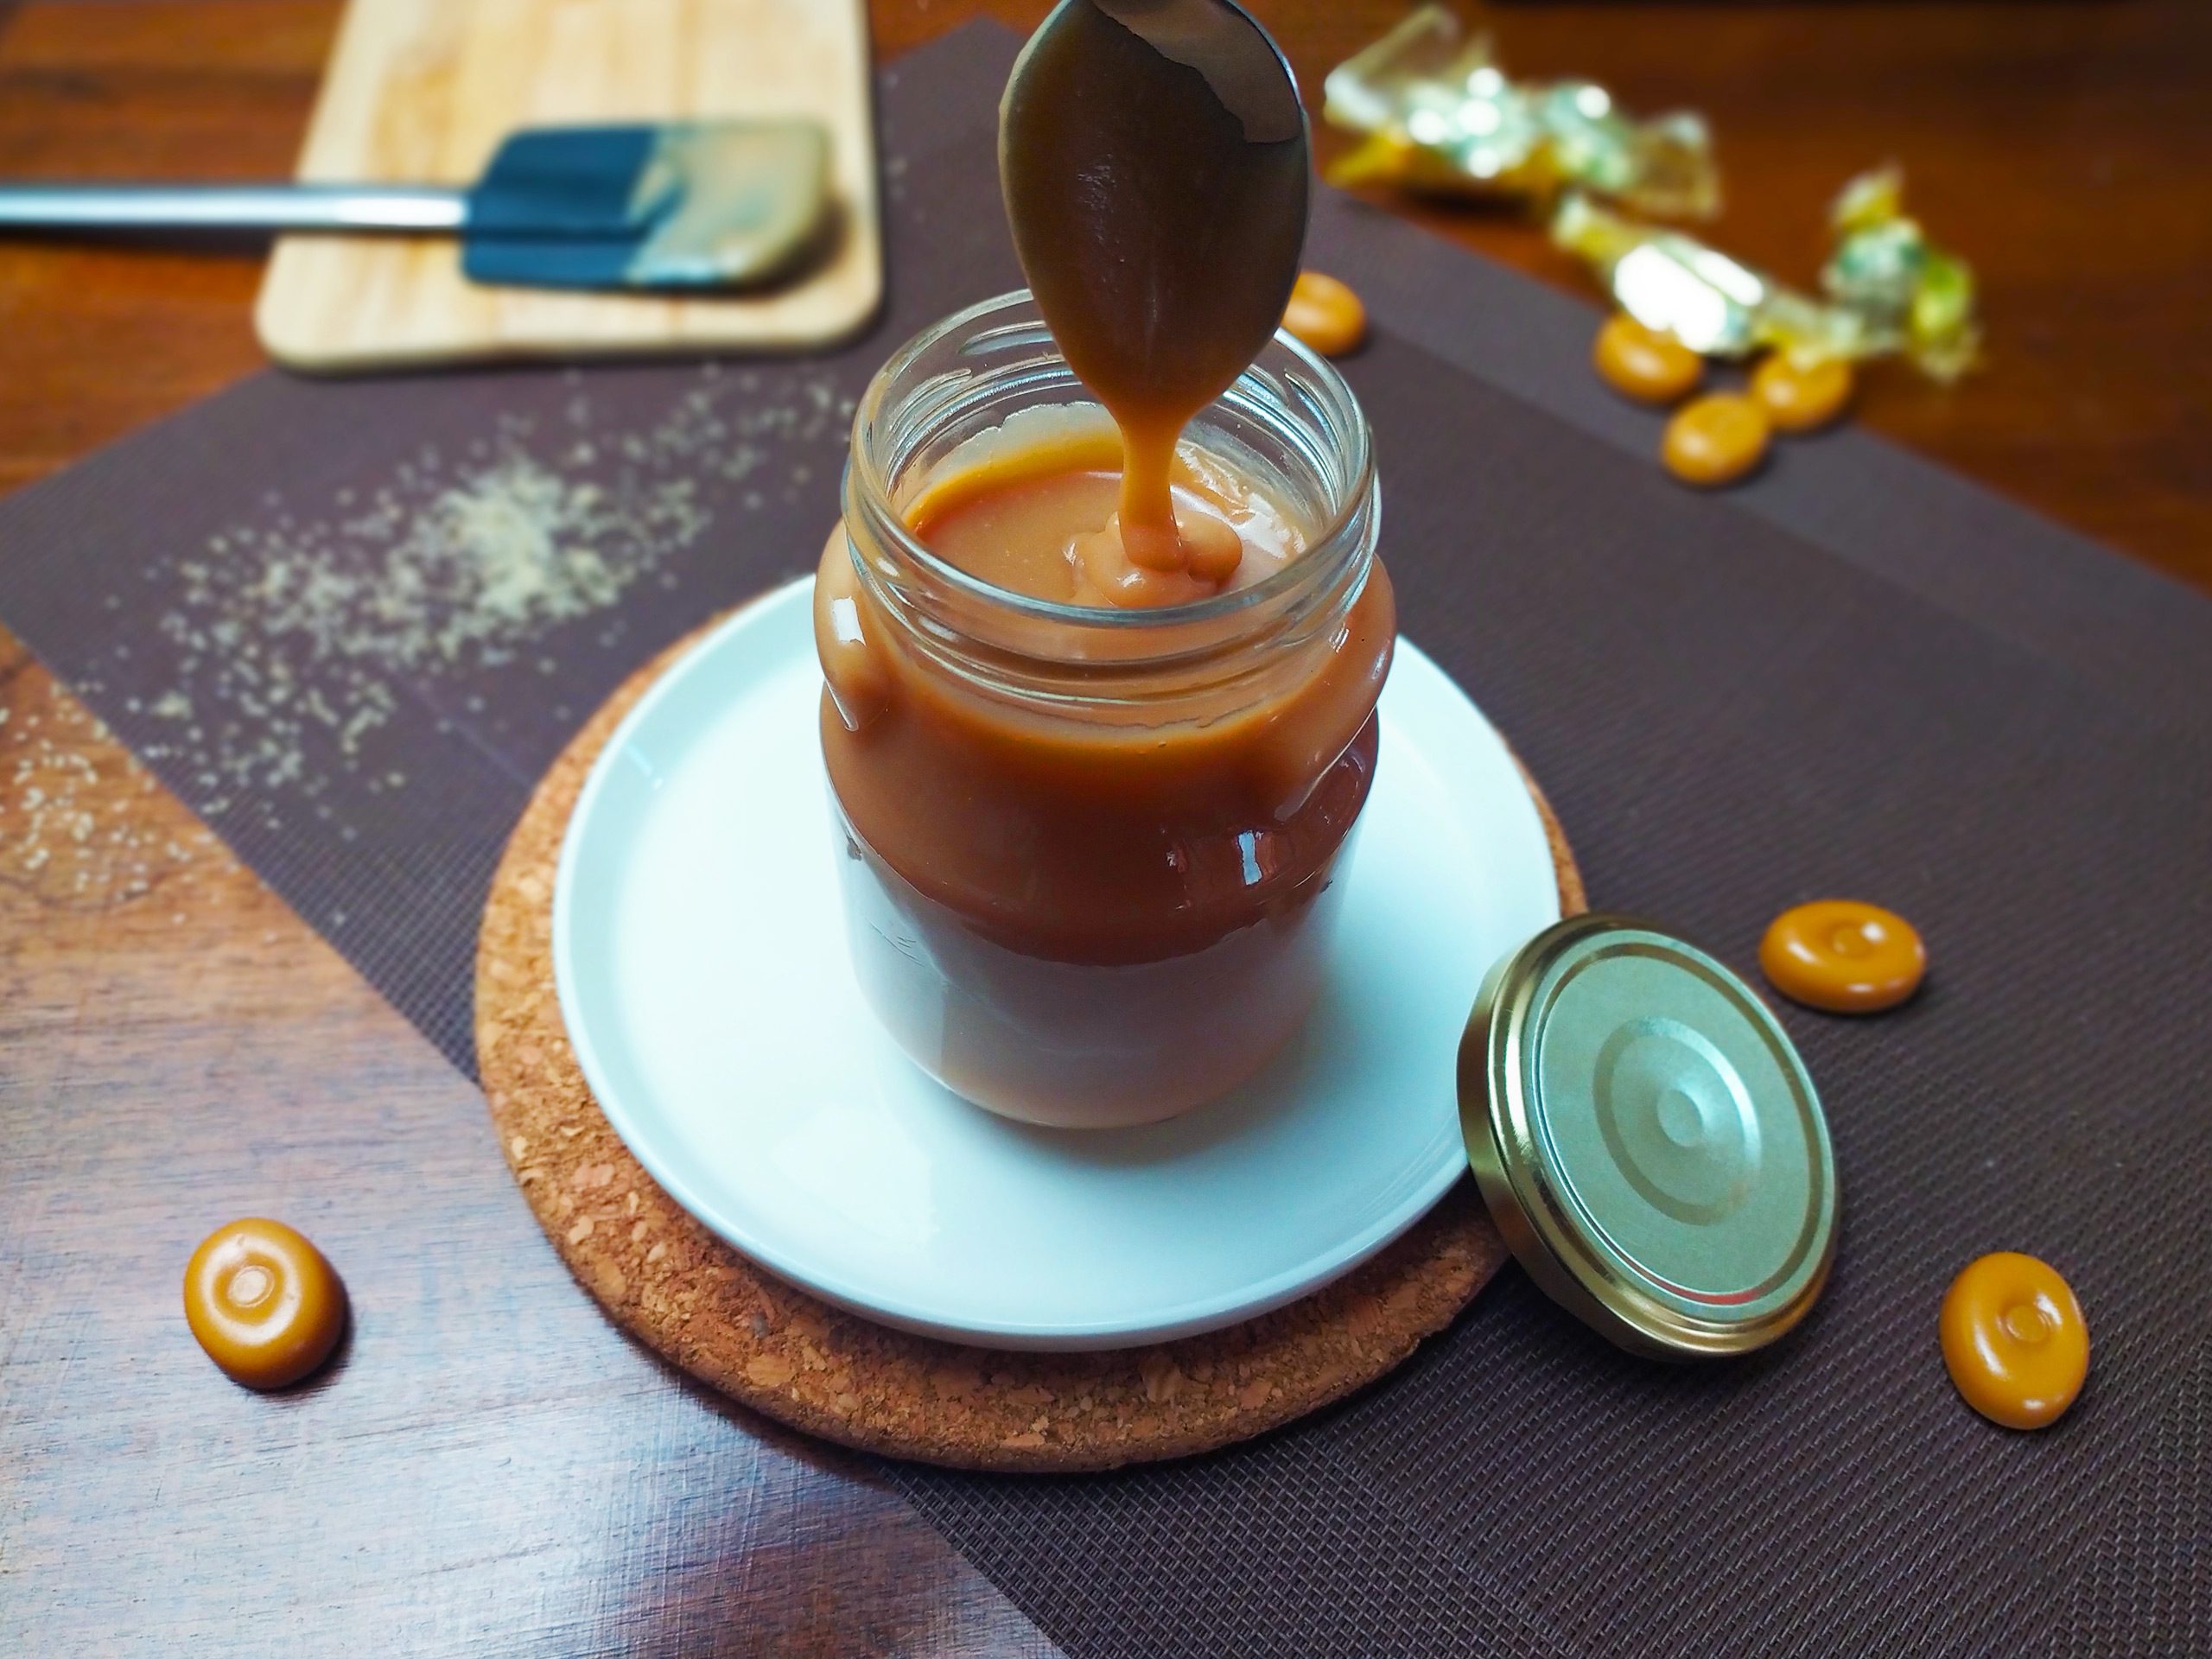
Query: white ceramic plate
699, 948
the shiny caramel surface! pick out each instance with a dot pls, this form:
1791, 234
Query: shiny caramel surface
1326, 314
1102, 833
263, 1303
1044, 520
1843, 955
1802, 396
1644, 365
2014, 1339
1715, 439
1156, 179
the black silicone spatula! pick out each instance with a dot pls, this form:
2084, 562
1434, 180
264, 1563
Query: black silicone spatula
692, 205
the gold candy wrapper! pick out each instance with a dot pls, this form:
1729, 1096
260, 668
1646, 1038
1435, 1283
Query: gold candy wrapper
1439, 116
1917, 298
1889, 288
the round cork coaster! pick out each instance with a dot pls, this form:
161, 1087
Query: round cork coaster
668, 1281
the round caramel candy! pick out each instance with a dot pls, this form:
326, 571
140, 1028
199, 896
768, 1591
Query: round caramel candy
1800, 396
2014, 1339
263, 1302
1326, 314
1715, 439
1643, 363
1843, 956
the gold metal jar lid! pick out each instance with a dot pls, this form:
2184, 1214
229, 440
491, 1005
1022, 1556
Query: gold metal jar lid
1648, 1140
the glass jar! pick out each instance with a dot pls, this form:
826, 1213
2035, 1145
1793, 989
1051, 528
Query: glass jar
1091, 855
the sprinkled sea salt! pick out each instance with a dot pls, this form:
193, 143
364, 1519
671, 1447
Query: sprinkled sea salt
300, 634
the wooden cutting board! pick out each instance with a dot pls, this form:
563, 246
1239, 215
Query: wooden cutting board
422, 91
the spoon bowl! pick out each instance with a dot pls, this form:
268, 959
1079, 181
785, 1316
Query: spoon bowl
1156, 165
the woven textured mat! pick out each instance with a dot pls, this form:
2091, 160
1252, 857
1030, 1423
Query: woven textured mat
702, 1306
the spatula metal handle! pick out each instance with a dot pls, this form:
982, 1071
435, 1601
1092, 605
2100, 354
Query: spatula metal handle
231, 208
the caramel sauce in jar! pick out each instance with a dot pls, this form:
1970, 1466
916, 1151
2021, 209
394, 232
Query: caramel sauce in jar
1094, 811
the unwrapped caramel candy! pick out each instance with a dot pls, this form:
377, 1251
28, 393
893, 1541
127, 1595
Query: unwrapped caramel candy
1715, 440
1326, 314
2014, 1339
263, 1303
1643, 363
1844, 956
1802, 396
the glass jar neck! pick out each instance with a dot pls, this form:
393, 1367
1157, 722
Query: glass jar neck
1290, 428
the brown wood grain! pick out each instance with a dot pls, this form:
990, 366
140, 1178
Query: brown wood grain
490, 1468
426, 89
487, 1467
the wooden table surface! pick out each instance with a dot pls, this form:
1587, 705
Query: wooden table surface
489, 1467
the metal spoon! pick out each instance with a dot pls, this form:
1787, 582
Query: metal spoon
1154, 159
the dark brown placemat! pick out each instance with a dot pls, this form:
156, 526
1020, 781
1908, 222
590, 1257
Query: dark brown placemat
1857, 674
669, 1282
